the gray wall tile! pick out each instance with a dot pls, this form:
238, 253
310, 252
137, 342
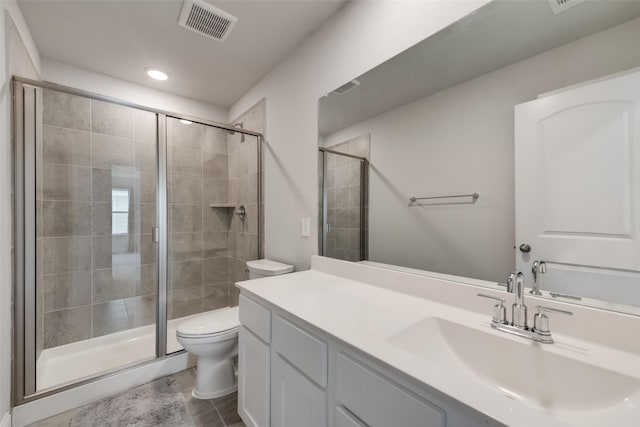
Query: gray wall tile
146, 156
216, 296
110, 317
145, 125
65, 254
66, 146
145, 190
60, 218
186, 190
215, 245
184, 246
143, 308
66, 326
113, 284
215, 140
186, 162
111, 151
62, 182
146, 284
65, 110
215, 191
185, 302
216, 166
66, 290
190, 137
101, 218
186, 274
216, 219
186, 218
112, 119
215, 270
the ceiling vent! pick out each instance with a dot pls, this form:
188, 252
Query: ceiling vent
347, 87
203, 18
558, 6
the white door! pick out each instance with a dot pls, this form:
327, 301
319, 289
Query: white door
577, 160
253, 379
295, 400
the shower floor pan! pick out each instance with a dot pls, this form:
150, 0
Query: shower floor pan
70, 363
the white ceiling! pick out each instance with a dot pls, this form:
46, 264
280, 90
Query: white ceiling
500, 33
120, 38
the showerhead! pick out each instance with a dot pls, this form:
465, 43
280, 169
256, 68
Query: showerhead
237, 125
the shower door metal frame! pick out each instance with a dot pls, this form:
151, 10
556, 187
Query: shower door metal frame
24, 318
364, 167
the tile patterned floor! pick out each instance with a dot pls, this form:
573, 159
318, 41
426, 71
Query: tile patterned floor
220, 412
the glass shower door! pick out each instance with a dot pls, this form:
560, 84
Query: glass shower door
96, 261
211, 173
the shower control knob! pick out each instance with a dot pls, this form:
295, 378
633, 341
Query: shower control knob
525, 248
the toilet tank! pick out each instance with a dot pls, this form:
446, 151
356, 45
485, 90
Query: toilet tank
266, 268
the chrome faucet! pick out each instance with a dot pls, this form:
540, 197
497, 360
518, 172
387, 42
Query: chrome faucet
537, 269
515, 285
518, 326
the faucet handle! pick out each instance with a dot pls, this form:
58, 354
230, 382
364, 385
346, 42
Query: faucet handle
541, 321
511, 281
537, 268
499, 310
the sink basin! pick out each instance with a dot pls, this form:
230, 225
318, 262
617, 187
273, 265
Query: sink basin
517, 368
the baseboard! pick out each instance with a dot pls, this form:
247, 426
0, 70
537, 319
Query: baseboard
6, 420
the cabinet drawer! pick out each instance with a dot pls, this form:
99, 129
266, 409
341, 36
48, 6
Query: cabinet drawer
256, 318
378, 402
300, 348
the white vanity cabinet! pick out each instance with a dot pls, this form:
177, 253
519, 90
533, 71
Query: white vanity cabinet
254, 363
297, 376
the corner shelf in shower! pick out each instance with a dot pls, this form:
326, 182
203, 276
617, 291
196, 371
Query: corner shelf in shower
222, 205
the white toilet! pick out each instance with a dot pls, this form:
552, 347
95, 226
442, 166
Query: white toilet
265, 268
213, 338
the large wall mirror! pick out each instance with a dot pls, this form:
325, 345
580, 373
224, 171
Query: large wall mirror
507, 141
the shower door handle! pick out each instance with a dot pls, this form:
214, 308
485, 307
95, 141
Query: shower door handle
155, 234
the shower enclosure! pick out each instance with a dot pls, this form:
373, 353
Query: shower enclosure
125, 226
343, 204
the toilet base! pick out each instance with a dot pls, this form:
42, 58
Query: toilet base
214, 378
219, 393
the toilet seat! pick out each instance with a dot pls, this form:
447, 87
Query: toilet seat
218, 323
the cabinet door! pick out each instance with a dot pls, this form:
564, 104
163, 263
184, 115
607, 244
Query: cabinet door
343, 418
378, 402
295, 400
253, 379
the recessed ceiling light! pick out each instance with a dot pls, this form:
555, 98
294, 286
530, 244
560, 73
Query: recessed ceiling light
156, 74
186, 122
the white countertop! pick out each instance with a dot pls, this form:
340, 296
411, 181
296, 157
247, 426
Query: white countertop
366, 317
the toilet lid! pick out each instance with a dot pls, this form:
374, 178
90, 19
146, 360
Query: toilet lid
212, 323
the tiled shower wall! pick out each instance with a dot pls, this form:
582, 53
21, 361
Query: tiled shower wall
243, 189
343, 200
92, 282
198, 233
209, 245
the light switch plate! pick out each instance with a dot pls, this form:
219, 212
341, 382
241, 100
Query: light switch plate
305, 226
